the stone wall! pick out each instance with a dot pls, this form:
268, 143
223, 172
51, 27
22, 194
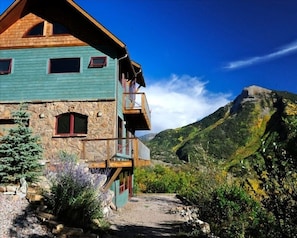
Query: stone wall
102, 123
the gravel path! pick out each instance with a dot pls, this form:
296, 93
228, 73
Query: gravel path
147, 215
18, 220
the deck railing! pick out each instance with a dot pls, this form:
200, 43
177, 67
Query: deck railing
137, 101
114, 149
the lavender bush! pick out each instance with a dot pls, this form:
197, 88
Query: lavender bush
74, 198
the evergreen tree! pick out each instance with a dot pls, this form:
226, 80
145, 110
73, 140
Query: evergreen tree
20, 151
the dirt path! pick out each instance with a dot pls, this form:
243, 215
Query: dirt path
147, 215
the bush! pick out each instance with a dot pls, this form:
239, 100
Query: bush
74, 198
231, 212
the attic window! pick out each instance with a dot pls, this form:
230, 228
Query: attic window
64, 65
36, 30
59, 29
98, 62
5, 66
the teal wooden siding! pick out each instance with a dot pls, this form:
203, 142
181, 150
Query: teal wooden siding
120, 199
30, 80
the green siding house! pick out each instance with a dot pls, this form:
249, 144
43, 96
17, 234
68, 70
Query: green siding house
80, 86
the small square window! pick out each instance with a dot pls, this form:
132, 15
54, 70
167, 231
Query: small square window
5, 66
98, 62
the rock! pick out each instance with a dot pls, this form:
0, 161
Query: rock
68, 231
2, 189
34, 197
11, 189
205, 228
191, 215
22, 190
23, 186
46, 216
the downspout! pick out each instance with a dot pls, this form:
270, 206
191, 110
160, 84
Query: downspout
125, 56
139, 86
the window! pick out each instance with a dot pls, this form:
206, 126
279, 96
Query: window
98, 62
64, 65
36, 30
5, 126
59, 29
5, 66
71, 124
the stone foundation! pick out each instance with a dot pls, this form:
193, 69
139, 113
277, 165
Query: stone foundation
102, 123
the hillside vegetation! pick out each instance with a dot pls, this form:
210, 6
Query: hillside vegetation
253, 140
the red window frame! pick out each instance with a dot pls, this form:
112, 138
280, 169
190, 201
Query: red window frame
8, 71
71, 131
101, 64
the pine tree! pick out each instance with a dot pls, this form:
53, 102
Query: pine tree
20, 151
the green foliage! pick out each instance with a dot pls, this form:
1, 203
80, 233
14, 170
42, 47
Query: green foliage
160, 179
231, 212
74, 198
229, 209
20, 152
253, 139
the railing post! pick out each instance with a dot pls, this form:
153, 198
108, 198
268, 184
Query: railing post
135, 151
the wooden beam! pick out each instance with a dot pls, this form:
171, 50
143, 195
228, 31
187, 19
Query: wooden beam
112, 179
117, 164
94, 165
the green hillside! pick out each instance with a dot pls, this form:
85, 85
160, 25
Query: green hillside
244, 137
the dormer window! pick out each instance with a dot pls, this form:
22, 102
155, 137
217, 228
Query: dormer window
98, 62
5, 66
59, 29
36, 30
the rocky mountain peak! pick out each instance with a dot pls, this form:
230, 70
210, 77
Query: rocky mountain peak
250, 93
253, 91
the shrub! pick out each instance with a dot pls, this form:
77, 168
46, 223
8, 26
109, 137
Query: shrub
74, 198
231, 212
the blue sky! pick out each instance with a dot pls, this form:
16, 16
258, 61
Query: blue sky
198, 55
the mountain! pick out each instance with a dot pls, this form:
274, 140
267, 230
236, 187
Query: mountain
233, 132
252, 140
147, 137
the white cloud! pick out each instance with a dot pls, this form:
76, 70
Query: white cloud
180, 100
285, 50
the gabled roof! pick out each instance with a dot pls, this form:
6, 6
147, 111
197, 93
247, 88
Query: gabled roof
75, 19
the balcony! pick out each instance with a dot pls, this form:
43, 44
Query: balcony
115, 153
136, 111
